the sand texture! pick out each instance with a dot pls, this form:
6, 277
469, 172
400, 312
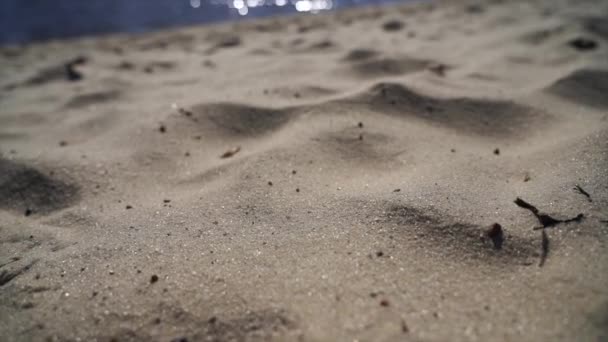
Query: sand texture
409, 173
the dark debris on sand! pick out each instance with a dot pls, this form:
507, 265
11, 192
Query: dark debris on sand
546, 220
231, 152
125, 65
71, 73
438, 69
496, 235
64, 71
582, 191
184, 111
392, 26
228, 41
583, 44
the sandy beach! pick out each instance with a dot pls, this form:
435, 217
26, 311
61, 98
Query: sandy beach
418, 172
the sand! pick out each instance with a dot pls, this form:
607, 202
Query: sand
343, 177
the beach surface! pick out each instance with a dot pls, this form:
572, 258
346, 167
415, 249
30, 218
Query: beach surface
423, 172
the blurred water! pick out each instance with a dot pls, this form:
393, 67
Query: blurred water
28, 20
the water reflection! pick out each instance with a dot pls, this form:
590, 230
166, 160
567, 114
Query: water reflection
243, 7
22, 21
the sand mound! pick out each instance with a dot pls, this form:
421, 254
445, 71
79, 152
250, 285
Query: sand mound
251, 326
360, 54
359, 149
597, 25
27, 190
63, 72
84, 100
492, 118
302, 46
333, 177
386, 67
586, 87
237, 120
543, 35
460, 240
300, 92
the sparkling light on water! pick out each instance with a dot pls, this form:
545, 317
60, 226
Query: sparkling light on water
243, 10
238, 4
313, 5
243, 7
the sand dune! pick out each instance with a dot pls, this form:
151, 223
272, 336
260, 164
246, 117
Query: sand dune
339, 177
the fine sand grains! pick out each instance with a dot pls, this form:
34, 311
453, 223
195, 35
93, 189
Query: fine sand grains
432, 172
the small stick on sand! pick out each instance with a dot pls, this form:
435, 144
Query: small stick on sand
582, 191
231, 152
181, 110
544, 219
